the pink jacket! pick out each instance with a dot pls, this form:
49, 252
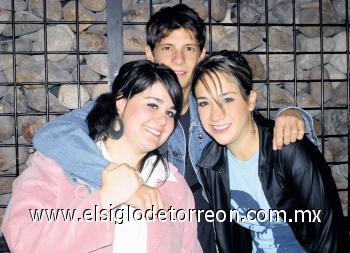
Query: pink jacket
44, 185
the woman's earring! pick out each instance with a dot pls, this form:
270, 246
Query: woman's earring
253, 131
116, 134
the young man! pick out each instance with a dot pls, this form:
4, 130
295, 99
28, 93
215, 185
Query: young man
176, 38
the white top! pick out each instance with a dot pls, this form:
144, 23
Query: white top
130, 231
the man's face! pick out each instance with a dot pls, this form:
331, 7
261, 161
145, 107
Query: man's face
180, 52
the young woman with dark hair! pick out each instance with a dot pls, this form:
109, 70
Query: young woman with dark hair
242, 172
129, 125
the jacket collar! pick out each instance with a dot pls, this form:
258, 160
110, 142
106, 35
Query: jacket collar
194, 111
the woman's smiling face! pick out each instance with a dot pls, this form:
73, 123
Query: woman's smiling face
223, 111
148, 118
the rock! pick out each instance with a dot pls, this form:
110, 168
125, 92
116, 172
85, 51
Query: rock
94, 5
279, 96
282, 71
339, 6
138, 12
35, 72
4, 16
97, 89
340, 175
84, 15
6, 185
335, 121
260, 88
301, 87
336, 149
53, 9
282, 38
21, 29
339, 97
30, 72
37, 35
218, 9
101, 15
97, 63
58, 75
20, 5
4, 89
311, 16
283, 12
334, 73
37, 100
68, 96
316, 87
134, 39
218, 33
256, 65
309, 61
129, 58
5, 199
98, 29
259, 5
86, 74
9, 99
68, 63
8, 155
339, 60
7, 122
306, 100
6, 60
250, 39
29, 125
248, 14
200, 6
278, 57
313, 44
59, 38
90, 41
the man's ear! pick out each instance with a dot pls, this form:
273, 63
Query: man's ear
149, 53
252, 100
120, 104
202, 54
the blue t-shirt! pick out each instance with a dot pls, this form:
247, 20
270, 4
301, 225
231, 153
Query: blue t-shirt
247, 194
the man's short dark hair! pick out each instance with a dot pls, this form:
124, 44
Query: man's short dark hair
168, 19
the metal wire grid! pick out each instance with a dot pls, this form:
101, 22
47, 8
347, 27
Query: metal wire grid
115, 58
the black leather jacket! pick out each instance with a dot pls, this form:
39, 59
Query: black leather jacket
294, 178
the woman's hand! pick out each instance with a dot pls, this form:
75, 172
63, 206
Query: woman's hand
146, 197
119, 184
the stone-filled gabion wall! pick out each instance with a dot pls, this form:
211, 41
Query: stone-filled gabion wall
266, 37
